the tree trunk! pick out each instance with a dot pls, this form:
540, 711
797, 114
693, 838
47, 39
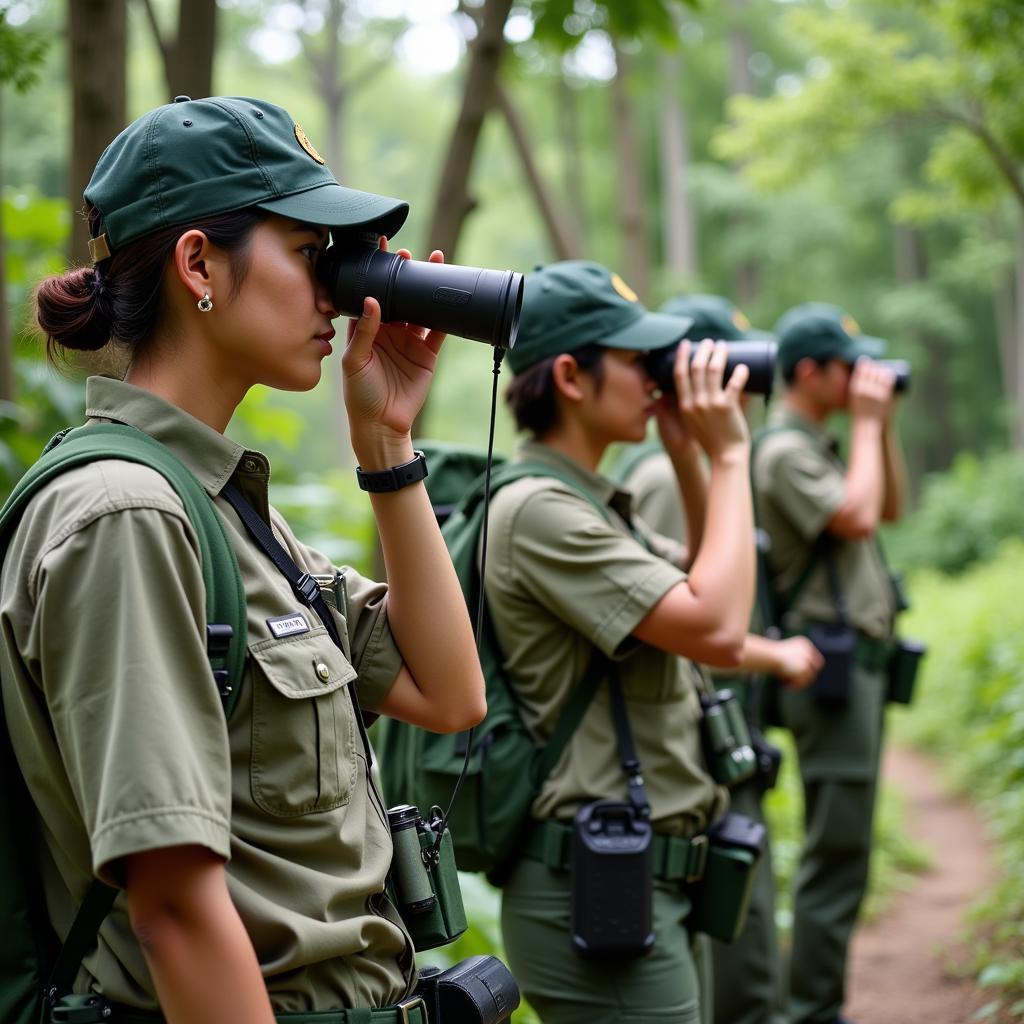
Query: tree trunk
1016, 396
564, 244
680, 234
453, 201
747, 281
572, 149
190, 71
97, 49
632, 205
7, 383
930, 399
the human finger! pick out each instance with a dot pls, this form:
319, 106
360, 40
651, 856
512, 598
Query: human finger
716, 367
699, 369
362, 333
681, 374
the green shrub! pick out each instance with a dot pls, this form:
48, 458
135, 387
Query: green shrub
970, 714
964, 515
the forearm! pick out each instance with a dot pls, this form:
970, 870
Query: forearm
894, 474
427, 612
692, 481
865, 480
723, 572
760, 655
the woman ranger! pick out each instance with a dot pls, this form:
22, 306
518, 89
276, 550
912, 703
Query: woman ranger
252, 854
570, 573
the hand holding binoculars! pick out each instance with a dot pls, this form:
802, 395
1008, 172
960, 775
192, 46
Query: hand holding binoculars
757, 356
482, 305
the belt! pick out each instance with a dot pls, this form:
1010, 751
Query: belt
410, 1011
676, 858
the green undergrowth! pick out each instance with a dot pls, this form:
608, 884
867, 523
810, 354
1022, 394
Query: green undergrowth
970, 715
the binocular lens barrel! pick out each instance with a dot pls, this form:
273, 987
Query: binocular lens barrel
758, 356
901, 368
409, 874
482, 305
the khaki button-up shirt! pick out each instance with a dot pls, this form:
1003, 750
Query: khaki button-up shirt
799, 483
563, 579
120, 734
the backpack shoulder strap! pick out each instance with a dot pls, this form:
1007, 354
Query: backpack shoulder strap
225, 595
632, 456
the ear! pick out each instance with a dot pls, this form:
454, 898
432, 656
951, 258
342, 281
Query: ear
805, 370
567, 377
197, 262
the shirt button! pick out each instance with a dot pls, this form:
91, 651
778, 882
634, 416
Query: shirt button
323, 671
251, 465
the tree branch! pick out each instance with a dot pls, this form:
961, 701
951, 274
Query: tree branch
158, 37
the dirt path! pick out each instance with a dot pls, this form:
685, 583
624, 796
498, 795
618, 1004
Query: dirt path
898, 970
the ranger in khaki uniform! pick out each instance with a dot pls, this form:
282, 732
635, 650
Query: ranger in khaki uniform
564, 578
747, 972
250, 853
822, 517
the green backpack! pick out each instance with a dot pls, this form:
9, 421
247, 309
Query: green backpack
35, 967
504, 767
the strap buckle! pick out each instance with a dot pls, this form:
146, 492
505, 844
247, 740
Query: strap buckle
308, 587
407, 1005
697, 860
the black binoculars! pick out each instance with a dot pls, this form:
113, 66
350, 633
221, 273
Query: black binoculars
482, 305
757, 356
901, 369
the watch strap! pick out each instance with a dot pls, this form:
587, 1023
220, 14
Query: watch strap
394, 479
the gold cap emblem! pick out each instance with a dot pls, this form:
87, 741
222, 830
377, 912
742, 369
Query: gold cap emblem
623, 289
850, 325
740, 321
307, 145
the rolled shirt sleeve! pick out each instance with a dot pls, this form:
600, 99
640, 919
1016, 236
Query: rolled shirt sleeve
119, 639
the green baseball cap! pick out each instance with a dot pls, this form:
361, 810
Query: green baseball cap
196, 158
713, 317
575, 303
817, 330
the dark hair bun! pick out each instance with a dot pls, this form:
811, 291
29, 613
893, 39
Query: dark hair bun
71, 311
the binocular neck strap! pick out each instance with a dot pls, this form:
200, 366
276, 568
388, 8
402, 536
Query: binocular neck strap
306, 588
627, 751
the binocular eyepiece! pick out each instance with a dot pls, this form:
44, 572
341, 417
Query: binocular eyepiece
482, 305
757, 356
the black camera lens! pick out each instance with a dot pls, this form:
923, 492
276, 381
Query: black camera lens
757, 356
901, 368
482, 305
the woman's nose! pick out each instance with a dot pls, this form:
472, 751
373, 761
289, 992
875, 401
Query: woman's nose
324, 302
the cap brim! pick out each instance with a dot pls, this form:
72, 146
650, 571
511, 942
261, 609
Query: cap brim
335, 206
865, 345
651, 331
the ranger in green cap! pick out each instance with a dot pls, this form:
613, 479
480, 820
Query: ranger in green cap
831, 583
747, 976
577, 585
249, 853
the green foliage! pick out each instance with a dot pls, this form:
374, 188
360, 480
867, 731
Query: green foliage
974, 677
964, 515
21, 54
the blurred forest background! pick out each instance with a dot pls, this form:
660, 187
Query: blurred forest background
864, 152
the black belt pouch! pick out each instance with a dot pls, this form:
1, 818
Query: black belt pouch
838, 645
722, 897
612, 882
903, 667
478, 990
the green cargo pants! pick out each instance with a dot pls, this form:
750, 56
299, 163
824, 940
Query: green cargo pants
564, 989
747, 972
839, 751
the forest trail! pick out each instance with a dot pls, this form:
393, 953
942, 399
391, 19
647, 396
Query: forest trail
900, 963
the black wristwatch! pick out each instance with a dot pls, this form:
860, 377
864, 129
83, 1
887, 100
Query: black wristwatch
395, 478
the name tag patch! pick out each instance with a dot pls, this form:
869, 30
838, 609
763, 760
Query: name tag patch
288, 625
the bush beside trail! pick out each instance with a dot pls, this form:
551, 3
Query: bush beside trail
970, 714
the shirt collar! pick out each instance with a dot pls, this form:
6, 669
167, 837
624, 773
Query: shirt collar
783, 415
600, 487
210, 455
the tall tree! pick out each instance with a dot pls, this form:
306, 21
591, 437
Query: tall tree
97, 33
679, 221
959, 74
188, 54
21, 53
453, 200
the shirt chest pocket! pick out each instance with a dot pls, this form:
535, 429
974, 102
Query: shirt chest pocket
303, 725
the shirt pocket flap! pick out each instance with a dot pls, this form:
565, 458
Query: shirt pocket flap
303, 666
